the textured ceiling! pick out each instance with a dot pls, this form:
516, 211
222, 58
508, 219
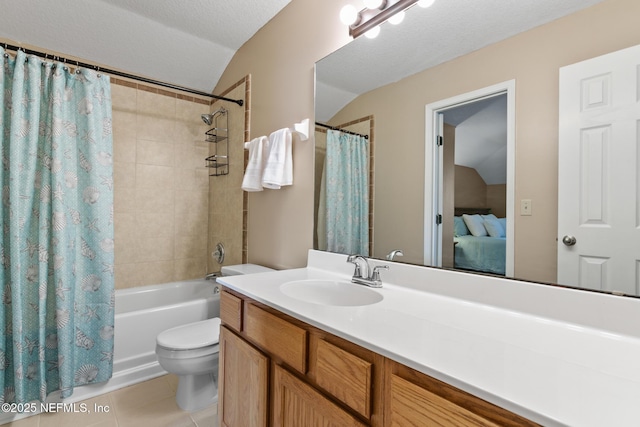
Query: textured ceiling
188, 43
427, 37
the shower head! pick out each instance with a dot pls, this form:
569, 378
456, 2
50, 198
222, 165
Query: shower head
208, 118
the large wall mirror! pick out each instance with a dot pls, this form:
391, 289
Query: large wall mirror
386, 88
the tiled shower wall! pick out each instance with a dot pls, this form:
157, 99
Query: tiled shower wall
227, 202
161, 193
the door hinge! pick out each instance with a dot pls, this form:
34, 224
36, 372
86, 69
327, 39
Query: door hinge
438, 219
440, 140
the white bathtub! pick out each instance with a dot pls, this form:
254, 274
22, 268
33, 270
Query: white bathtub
141, 314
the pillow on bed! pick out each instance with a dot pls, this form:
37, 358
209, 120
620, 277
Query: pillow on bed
503, 223
493, 227
459, 227
475, 224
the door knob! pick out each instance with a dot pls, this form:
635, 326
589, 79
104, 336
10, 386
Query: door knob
569, 240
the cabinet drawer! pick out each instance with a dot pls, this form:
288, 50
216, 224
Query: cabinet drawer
414, 405
344, 375
277, 336
231, 310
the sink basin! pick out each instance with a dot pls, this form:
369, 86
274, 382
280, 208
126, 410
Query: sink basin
331, 292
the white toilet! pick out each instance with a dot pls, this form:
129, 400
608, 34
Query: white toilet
191, 352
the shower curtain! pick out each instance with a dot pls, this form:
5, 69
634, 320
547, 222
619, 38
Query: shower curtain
56, 252
344, 202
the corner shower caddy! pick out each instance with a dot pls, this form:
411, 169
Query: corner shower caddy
219, 136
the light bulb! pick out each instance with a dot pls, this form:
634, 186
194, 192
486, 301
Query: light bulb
425, 3
397, 18
349, 14
373, 4
373, 33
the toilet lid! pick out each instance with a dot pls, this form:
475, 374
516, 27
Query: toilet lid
191, 336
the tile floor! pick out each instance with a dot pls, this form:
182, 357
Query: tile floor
150, 403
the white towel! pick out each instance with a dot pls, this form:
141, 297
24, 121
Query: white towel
278, 170
252, 180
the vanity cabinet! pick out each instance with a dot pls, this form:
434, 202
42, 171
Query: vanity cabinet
296, 403
298, 375
243, 378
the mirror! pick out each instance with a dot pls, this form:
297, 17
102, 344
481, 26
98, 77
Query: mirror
427, 59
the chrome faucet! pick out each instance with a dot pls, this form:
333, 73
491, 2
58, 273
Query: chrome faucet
394, 253
363, 277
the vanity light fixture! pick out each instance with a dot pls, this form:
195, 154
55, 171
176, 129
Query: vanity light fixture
368, 20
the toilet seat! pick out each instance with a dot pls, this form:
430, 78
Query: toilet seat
192, 336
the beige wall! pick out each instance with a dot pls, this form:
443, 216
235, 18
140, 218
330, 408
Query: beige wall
533, 59
471, 190
280, 59
497, 199
160, 186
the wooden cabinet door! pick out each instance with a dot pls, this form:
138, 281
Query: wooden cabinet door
243, 382
295, 404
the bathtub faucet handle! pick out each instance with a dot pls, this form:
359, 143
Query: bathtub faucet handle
218, 254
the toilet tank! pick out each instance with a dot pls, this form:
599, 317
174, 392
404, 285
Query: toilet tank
238, 269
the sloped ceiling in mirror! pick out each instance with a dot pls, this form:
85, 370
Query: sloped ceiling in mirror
428, 37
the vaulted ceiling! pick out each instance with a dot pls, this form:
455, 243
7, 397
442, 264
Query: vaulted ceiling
189, 43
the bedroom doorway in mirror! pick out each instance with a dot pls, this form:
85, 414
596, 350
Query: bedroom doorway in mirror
469, 190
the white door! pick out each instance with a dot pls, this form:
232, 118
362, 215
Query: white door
597, 177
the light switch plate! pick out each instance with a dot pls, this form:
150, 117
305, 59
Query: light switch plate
525, 207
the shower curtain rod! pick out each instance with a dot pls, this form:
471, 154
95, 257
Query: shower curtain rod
118, 73
341, 130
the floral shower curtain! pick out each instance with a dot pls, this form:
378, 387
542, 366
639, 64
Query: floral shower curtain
345, 203
56, 252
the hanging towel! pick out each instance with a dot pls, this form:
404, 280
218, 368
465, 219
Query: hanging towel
278, 170
252, 180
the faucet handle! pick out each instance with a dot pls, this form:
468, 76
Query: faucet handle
375, 274
353, 259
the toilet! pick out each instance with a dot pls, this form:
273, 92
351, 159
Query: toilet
190, 351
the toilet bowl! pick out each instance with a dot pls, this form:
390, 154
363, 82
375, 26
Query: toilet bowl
190, 351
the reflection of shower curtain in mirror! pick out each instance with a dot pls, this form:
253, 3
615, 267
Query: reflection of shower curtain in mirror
56, 243
344, 199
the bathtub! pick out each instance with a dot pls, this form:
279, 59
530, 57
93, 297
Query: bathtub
141, 314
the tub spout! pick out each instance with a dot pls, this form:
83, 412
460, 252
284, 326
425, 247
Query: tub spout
213, 276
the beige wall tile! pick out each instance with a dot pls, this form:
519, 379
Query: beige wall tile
124, 175
191, 246
162, 187
151, 273
154, 224
124, 149
127, 275
124, 200
154, 153
151, 249
155, 178
155, 128
191, 268
123, 98
148, 200
156, 105
125, 123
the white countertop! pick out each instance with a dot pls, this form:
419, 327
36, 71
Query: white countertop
537, 352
